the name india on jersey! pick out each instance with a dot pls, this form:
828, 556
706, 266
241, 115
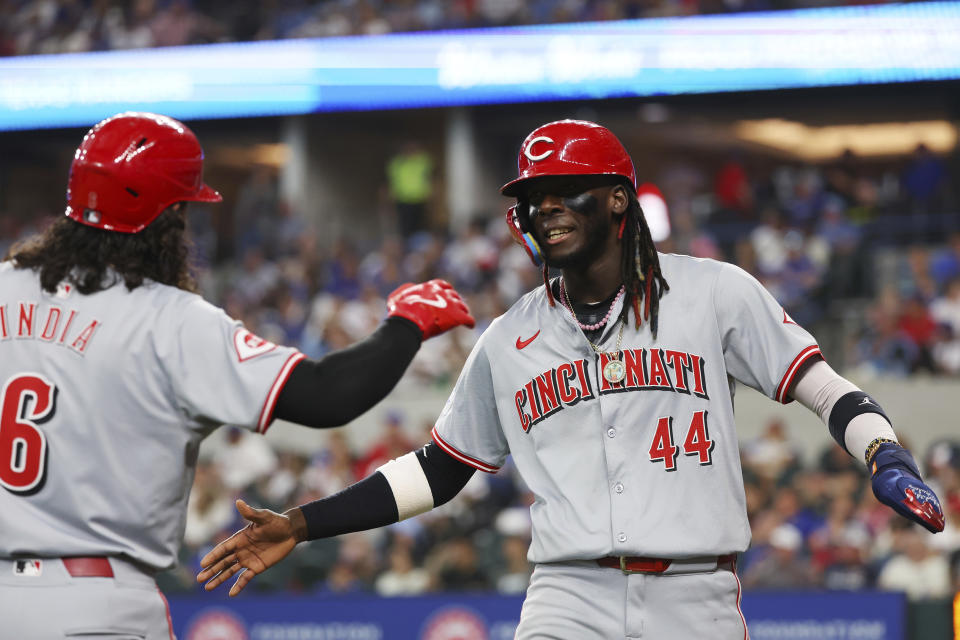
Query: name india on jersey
24, 321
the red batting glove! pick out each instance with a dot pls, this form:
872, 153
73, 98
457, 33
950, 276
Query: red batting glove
434, 306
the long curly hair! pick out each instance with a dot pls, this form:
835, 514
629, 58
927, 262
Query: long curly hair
94, 259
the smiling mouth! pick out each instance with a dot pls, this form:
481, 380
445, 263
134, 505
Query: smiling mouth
557, 235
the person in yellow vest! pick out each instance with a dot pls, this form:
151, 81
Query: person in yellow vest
410, 184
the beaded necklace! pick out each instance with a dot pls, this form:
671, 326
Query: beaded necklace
589, 327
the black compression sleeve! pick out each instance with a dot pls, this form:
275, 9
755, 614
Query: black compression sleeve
370, 504
446, 475
336, 389
367, 504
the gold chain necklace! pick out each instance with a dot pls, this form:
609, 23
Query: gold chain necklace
614, 371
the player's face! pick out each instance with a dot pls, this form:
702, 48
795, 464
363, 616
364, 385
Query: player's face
573, 219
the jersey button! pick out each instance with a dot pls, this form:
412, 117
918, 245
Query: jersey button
622, 537
611, 433
618, 487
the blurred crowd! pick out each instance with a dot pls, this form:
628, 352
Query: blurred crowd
814, 525
819, 526
851, 235
61, 26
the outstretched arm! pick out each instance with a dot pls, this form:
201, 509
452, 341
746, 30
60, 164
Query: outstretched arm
351, 381
859, 425
402, 488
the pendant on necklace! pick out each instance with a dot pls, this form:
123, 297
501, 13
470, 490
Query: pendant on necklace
614, 371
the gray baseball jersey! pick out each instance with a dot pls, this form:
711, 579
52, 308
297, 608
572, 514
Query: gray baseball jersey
104, 400
647, 465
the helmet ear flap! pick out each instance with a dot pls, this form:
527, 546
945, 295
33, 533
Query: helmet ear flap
523, 215
522, 237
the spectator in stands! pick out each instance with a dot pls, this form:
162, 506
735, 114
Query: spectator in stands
882, 347
383, 268
733, 190
840, 547
768, 243
257, 278
513, 527
945, 263
331, 468
177, 24
916, 275
472, 256
244, 458
918, 325
922, 181
392, 443
410, 183
402, 578
454, 567
945, 311
797, 284
687, 238
772, 455
210, 509
806, 200
915, 568
128, 26
516, 573
844, 273
783, 565
343, 271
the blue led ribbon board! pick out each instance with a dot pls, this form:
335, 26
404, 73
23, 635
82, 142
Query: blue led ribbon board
584, 61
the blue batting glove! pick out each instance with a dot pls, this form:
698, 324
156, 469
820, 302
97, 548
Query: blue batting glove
897, 484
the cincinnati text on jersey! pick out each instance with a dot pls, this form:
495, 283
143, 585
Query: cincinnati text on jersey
646, 370
54, 324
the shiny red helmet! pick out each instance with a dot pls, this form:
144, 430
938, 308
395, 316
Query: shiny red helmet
132, 166
571, 148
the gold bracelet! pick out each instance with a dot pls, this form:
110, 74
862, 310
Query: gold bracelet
873, 446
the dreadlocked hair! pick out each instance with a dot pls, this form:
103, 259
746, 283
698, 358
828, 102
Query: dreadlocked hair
640, 268
94, 259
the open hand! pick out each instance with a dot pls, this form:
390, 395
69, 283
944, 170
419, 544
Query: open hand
267, 540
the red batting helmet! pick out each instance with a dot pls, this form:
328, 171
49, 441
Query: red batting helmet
131, 167
571, 148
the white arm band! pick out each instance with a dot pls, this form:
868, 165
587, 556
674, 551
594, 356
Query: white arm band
409, 485
819, 389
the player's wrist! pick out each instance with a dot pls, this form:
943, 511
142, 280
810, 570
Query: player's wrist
298, 524
873, 447
405, 325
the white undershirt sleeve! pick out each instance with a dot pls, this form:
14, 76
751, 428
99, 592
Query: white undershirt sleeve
820, 387
409, 484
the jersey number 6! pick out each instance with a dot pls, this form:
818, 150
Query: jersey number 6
697, 443
27, 400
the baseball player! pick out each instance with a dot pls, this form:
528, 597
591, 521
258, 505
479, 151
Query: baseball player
112, 370
612, 388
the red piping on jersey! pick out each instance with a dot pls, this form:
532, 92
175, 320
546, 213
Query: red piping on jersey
166, 606
746, 634
803, 356
266, 414
473, 462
